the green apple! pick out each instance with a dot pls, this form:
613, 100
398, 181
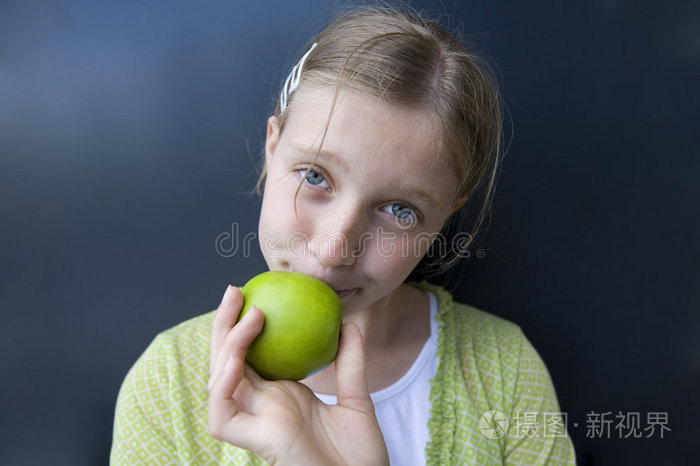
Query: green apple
302, 324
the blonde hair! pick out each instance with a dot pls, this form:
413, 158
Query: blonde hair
407, 60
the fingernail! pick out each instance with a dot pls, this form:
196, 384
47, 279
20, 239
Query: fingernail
247, 313
228, 293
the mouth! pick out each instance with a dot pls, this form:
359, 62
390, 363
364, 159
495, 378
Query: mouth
345, 294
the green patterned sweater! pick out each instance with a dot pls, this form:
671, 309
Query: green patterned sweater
491, 401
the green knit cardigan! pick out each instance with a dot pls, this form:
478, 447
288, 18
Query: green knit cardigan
491, 401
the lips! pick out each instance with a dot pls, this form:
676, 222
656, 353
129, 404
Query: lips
344, 294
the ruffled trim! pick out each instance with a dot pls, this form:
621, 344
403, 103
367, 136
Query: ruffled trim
442, 422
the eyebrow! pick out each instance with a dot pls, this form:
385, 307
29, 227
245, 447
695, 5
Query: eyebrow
415, 193
323, 154
332, 157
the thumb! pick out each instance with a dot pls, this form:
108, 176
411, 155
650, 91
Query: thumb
351, 371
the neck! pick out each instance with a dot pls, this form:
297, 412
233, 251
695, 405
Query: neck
378, 322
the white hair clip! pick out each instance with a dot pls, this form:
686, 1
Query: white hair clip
292, 81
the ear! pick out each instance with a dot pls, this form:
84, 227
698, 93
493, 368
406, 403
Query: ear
272, 138
458, 203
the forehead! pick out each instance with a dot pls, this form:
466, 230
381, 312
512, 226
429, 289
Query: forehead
355, 125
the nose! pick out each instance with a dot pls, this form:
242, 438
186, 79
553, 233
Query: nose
336, 240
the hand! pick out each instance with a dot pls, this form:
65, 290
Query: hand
282, 421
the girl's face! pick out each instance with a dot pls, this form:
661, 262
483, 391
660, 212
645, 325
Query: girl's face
368, 206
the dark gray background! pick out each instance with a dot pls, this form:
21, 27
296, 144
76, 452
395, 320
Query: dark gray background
129, 136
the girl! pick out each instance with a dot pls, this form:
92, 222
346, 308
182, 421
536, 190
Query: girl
384, 129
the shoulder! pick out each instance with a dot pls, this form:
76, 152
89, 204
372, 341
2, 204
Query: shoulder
482, 331
188, 340
163, 403
491, 352
177, 359
191, 330
486, 363
184, 348
173, 351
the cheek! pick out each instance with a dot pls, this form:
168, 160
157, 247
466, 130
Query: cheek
282, 231
274, 224
277, 206
395, 254
403, 246
422, 242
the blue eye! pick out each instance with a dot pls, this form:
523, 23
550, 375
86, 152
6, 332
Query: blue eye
313, 177
401, 212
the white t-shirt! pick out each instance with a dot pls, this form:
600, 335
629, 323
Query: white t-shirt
403, 408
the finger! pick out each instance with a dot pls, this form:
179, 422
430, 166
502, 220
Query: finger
255, 379
228, 419
246, 393
231, 390
238, 339
226, 382
224, 320
351, 371
223, 408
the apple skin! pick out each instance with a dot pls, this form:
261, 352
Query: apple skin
302, 324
